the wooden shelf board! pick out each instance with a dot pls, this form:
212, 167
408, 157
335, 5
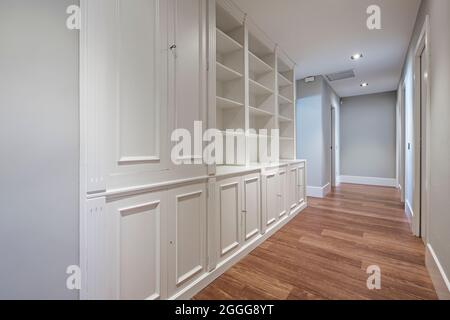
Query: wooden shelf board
260, 112
284, 100
224, 103
284, 119
259, 89
257, 65
225, 73
225, 44
283, 81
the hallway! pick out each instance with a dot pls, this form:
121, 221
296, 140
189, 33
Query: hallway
325, 251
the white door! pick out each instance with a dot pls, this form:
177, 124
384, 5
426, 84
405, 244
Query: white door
128, 253
186, 239
293, 189
251, 207
229, 207
301, 185
272, 199
187, 67
282, 203
423, 144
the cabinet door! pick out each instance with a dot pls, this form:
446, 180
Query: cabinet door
125, 92
186, 236
228, 229
282, 204
293, 189
188, 67
271, 203
128, 250
251, 206
301, 185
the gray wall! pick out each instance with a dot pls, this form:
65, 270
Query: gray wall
439, 216
314, 128
368, 135
40, 149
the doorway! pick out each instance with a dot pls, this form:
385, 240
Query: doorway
421, 133
333, 147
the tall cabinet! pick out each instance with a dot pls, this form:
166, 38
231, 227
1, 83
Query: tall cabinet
150, 228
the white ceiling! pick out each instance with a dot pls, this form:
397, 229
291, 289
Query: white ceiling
321, 35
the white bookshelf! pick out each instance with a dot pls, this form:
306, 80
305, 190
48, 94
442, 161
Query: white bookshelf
255, 84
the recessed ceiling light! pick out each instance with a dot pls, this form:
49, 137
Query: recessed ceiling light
364, 84
357, 56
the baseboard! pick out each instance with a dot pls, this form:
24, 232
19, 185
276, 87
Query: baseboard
371, 181
318, 192
409, 211
437, 274
209, 277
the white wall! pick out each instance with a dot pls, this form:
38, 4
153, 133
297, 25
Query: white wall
39, 139
368, 136
314, 103
439, 77
310, 135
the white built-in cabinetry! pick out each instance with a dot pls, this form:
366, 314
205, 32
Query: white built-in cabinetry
254, 85
151, 229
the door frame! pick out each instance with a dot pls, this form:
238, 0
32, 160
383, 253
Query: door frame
421, 133
333, 147
403, 141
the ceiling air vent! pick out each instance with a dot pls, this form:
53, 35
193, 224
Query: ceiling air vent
340, 75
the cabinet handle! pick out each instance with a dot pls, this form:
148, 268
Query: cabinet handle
173, 48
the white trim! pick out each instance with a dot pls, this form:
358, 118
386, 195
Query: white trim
318, 192
421, 191
408, 209
136, 190
371, 181
440, 280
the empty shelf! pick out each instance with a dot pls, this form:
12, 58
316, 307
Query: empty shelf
259, 112
226, 44
284, 100
224, 103
258, 89
225, 73
283, 81
257, 65
284, 119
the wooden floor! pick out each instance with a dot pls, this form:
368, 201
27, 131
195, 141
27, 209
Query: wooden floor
324, 253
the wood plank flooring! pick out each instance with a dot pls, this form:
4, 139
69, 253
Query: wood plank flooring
324, 253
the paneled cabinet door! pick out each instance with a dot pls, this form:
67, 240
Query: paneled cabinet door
127, 244
187, 250
188, 66
271, 199
301, 184
293, 189
229, 215
282, 203
251, 207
